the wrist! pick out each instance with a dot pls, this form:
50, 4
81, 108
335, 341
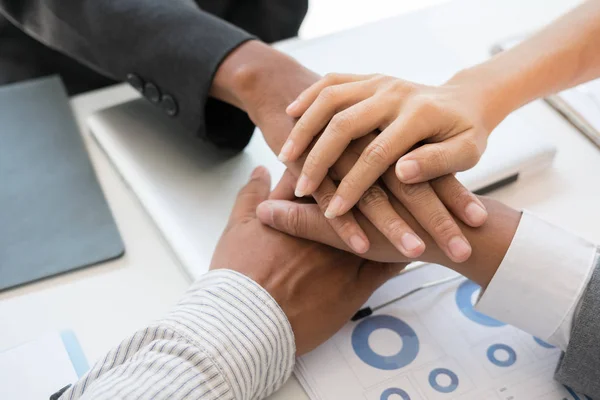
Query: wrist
490, 243
491, 93
259, 79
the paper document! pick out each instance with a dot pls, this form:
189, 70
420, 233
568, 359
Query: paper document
38, 369
432, 345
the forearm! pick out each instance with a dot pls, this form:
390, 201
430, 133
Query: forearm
226, 339
562, 55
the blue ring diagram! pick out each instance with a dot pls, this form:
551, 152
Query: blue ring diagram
443, 389
388, 392
463, 301
406, 355
491, 355
542, 343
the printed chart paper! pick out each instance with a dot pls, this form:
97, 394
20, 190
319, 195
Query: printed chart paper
431, 346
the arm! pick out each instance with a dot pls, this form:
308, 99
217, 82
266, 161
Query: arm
237, 330
450, 123
169, 51
536, 276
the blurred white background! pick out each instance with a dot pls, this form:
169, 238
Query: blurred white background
328, 16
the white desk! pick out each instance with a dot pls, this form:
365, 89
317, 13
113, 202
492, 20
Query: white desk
105, 303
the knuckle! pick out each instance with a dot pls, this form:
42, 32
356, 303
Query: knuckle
295, 221
374, 196
412, 191
344, 227
311, 163
324, 199
471, 152
395, 227
378, 153
331, 77
438, 159
442, 224
328, 95
341, 123
426, 108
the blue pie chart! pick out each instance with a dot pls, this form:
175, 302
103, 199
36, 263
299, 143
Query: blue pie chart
451, 387
388, 392
406, 355
464, 293
492, 356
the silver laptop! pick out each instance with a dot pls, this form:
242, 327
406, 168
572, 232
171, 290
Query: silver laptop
188, 189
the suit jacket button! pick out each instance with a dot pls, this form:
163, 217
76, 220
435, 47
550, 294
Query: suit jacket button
169, 105
152, 93
136, 82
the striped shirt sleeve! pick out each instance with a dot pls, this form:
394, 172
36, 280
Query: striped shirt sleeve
226, 339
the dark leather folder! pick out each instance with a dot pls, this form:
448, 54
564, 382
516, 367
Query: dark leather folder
53, 215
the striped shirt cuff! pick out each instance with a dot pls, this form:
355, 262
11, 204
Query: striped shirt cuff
241, 328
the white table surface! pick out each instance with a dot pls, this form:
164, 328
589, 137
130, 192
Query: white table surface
105, 303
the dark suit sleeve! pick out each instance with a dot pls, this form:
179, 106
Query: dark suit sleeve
170, 50
579, 367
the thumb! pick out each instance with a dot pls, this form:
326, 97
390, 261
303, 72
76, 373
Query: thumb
300, 220
251, 195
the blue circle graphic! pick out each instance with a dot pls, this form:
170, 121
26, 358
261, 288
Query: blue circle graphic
443, 389
542, 343
491, 355
388, 392
406, 355
463, 301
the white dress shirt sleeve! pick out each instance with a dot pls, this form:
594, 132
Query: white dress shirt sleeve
226, 339
539, 284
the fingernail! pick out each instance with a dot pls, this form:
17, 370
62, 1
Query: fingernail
258, 172
407, 170
302, 186
286, 151
335, 207
475, 213
459, 248
358, 244
264, 212
410, 242
290, 109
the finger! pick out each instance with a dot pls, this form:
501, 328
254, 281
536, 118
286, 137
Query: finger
429, 211
285, 187
329, 101
460, 201
376, 207
431, 161
392, 143
251, 195
346, 225
308, 96
352, 123
305, 221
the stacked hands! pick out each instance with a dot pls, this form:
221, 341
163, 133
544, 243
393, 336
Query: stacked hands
340, 137
354, 128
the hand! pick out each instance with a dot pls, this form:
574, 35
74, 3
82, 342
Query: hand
433, 204
490, 242
263, 81
449, 119
318, 288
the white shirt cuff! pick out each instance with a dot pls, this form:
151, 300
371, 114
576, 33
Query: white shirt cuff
241, 328
540, 281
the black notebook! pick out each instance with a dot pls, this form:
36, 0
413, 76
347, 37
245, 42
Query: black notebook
53, 215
